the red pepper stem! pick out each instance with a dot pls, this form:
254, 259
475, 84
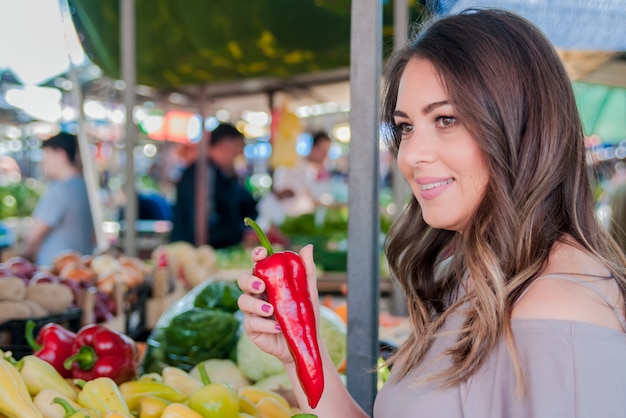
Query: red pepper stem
265, 242
69, 409
86, 358
30, 335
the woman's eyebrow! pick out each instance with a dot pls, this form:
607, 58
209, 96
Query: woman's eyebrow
400, 113
426, 110
430, 107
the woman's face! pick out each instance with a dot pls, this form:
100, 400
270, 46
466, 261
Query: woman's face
438, 158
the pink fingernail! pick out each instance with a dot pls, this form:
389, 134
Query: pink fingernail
266, 308
278, 328
256, 285
257, 251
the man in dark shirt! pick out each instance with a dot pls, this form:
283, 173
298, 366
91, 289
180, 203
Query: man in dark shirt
229, 202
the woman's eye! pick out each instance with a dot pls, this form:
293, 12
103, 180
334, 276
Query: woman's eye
403, 128
445, 121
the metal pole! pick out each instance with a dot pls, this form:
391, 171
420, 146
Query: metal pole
364, 219
400, 34
399, 188
129, 69
202, 185
87, 163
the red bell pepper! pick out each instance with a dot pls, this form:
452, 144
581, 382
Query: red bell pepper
287, 290
53, 344
99, 351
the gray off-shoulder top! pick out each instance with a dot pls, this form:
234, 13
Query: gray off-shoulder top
572, 370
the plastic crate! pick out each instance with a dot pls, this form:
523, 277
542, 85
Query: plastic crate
13, 337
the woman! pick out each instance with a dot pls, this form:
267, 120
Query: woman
515, 292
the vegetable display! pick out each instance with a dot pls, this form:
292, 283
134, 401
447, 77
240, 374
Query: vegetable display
205, 324
287, 290
99, 351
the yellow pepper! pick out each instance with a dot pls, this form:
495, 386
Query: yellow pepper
102, 394
271, 408
151, 376
71, 412
135, 389
181, 380
44, 402
117, 414
15, 401
247, 406
151, 406
38, 374
214, 400
256, 394
179, 410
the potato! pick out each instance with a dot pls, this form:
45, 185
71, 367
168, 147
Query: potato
10, 309
36, 308
54, 297
12, 288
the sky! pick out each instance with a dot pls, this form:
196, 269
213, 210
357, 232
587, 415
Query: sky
37, 39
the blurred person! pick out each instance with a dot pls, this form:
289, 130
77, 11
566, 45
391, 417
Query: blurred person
229, 202
298, 189
515, 292
62, 218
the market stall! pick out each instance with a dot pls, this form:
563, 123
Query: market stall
181, 280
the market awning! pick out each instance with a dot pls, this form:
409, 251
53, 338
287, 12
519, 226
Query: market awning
193, 42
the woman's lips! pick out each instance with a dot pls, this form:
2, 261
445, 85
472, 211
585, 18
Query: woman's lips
430, 188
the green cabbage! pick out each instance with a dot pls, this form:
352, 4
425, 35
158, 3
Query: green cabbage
221, 371
254, 363
334, 334
274, 382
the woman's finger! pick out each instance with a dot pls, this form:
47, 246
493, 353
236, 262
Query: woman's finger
306, 254
256, 324
249, 283
250, 305
259, 253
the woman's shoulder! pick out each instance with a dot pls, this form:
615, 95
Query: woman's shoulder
574, 286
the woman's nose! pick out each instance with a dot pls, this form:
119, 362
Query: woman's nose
416, 149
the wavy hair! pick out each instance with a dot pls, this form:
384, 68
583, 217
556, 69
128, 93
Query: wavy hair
511, 91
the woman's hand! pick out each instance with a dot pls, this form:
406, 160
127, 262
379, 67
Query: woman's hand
259, 322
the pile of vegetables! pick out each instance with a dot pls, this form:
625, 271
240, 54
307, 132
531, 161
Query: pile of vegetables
95, 373
205, 326
27, 293
189, 264
32, 388
31, 291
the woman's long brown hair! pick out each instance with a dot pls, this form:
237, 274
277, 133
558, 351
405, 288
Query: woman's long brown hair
511, 92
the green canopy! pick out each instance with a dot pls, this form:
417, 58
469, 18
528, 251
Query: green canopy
602, 110
191, 42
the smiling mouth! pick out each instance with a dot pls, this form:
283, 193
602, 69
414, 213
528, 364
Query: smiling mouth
437, 184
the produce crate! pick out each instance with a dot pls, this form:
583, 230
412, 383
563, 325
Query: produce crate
131, 309
12, 333
156, 305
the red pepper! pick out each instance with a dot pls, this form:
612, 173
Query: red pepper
287, 290
99, 351
53, 344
